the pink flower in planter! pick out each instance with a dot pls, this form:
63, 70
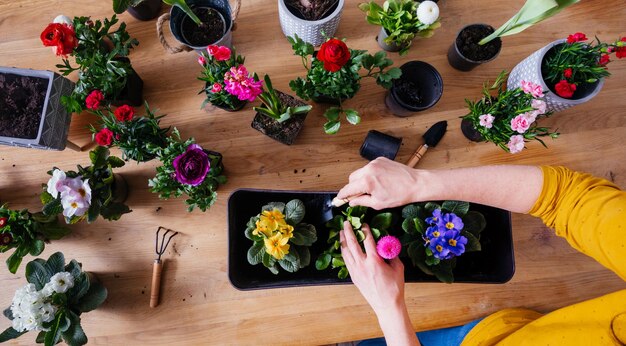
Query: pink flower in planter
486, 120
539, 106
520, 123
220, 53
201, 60
388, 247
532, 88
240, 84
516, 144
93, 99
217, 87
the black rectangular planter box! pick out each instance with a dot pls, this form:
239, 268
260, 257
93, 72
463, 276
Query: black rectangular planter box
55, 120
494, 264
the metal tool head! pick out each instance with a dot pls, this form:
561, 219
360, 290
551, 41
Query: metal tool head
162, 243
434, 134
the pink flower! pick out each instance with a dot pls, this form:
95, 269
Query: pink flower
532, 88
520, 123
93, 99
577, 37
486, 120
217, 87
240, 84
567, 73
604, 59
220, 53
388, 247
516, 144
539, 106
201, 60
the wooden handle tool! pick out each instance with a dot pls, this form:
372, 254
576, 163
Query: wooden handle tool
155, 291
417, 155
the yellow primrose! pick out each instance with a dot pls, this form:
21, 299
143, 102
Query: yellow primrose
272, 219
286, 230
260, 228
277, 246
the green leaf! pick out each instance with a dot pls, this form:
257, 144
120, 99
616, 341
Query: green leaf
410, 211
53, 208
458, 207
41, 337
54, 334
55, 232
336, 223
269, 261
119, 6
352, 116
294, 211
183, 6
375, 232
474, 223
332, 113
343, 273
10, 334
323, 261
409, 226
56, 262
14, 261
46, 198
332, 127
96, 295
473, 244
304, 235
37, 274
394, 73
98, 156
382, 221
337, 262
81, 287
305, 255
74, 335
431, 206
355, 221
255, 253
73, 268
37, 247
444, 274
115, 162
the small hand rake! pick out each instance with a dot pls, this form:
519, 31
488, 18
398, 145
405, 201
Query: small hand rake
161, 246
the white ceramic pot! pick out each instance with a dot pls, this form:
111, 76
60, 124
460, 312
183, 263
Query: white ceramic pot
529, 70
309, 31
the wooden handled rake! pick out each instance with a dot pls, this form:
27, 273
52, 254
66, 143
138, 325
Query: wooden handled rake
157, 267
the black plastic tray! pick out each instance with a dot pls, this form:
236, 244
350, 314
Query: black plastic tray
494, 264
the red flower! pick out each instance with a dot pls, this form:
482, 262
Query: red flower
5, 239
577, 37
104, 137
124, 113
567, 73
620, 52
3, 221
220, 53
61, 37
93, 99
334, 54
217, 87
604, 59
565, 89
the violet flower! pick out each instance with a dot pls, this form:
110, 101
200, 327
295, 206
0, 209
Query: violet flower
192, 166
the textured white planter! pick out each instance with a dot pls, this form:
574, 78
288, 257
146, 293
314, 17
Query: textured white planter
529, 70
309, 31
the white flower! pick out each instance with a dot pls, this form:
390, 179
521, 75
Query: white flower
73, 204
18, 324
486, 120
62, 19
56, 183
61, 282
47, 312
427, 12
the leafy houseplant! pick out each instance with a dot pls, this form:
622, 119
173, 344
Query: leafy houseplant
88, 192
401, 21
137, 136
280, 237
228, 84
26, 233
53, 301
280, 116
101, 58
333, 75
435, 235
379, 225
186, 168
508, 119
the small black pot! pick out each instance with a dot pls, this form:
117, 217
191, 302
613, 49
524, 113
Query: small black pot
132, 94
419, 88
238, 106
146, 10
458, 60
470, 132
379, 144
285, 132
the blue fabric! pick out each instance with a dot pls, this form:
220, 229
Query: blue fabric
452, 336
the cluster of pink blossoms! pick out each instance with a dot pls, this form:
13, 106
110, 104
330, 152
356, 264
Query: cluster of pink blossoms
239, 83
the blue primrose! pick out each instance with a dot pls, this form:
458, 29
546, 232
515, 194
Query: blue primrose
454, 242
434, 232
435, 219
439, 248
451, 222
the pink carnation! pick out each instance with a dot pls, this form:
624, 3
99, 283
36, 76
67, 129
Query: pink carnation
516, 144
220, 53
201, 60
217, 87
388, 247
240, 84
532, 88
486, 120
93, 99
520, 123
539, 106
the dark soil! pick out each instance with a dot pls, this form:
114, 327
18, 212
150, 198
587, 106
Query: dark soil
470, 132
311, 9
582, 90
409, 92
468, 39
21, 103
285, 132
209, 32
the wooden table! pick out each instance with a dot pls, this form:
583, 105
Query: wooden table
198, 304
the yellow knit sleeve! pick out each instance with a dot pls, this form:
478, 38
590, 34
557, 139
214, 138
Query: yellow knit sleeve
589, 212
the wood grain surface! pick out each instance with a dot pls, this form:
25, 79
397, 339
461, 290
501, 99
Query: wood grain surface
198, 304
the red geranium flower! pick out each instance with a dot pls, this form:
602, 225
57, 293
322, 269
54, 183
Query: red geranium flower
334, 54
60, 36
93, 99
104, 137
567, 73
565, 89
577, 37
124, 113
220, 53
3, 221
620, 52
604, 59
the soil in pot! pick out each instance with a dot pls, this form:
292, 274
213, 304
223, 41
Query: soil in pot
408, 92
285, 132
467, 42
582, 90
311, 9
209, 32
22, 100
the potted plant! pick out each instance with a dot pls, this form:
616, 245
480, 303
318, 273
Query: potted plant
280, 238
280, 116
27, 233
139, 9
572, 69
400, 21
53, 301
311, 20
187, 168
197, 24
509, 118
477, 44
436, 235
419, 87
31, 114
137, 136
101, 55
333, 76
228, 85
88, 192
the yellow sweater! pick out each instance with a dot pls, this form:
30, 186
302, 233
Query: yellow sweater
591, 214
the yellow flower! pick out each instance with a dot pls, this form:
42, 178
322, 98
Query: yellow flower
277, 246
260, 228
287, 230
272, 219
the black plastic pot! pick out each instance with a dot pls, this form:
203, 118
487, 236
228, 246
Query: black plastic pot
459, 61
379, 144
470, 132
420, 87
132, 94
285, 132
146, 10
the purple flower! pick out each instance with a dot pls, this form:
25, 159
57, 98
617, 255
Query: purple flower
451, 222
455, 242
192, 166
440, 249
433, 232
435, 219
